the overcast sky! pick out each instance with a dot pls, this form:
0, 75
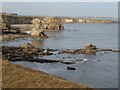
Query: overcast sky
107, 9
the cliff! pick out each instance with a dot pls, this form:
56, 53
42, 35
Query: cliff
51, 23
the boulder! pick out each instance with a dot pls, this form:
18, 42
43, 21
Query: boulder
28, 45
89, 49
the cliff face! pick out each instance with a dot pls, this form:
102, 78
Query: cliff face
4, 24
51, 23
18, 19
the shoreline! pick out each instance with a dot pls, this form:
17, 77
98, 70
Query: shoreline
23, 82
8, 37
16, 76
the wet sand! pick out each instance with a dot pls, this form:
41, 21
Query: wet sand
15, 76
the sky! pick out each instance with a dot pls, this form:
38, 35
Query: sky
99, 9
60, 0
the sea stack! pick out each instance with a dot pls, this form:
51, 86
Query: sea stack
37, 30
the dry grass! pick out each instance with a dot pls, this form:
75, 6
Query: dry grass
15, 76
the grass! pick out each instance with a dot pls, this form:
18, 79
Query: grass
16, 76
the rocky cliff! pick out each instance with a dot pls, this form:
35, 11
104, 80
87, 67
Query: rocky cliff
51, 23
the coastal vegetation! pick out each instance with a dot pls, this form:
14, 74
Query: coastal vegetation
15, 76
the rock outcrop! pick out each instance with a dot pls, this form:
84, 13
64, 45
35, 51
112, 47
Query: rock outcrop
89, 49
4, 24
37, 30
28, 45
53, 23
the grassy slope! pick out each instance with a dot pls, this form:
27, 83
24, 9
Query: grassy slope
15, 76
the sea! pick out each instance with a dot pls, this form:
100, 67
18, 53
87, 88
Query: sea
100, 71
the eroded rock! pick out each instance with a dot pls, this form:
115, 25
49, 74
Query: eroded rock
89, 49
28, 45
37, 30
4, 24
53, 23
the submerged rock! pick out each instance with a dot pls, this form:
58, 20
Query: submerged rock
67, 62
116, 50
69, 51
71, 68
105, 49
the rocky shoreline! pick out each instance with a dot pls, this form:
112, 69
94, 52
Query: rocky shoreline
16, 76
37, 79
12, 36
30, 53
